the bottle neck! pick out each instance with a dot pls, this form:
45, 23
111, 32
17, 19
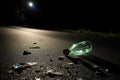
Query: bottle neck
66, 52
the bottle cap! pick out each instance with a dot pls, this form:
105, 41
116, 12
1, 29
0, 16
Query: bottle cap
66, 52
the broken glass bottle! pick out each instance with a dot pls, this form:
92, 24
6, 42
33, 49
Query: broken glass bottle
82, 48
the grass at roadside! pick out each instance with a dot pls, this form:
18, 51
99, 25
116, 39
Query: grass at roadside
89, 32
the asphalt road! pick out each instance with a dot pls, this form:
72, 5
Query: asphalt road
45, 47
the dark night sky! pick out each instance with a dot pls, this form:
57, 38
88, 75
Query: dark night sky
71, 13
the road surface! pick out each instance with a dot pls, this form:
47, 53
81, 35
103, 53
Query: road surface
45, 47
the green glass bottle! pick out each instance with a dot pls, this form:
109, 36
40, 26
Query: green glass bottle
82, 48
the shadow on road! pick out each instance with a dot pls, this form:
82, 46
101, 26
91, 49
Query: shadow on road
97, 64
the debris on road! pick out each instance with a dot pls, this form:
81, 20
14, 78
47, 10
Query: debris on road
51, 60
82, 48
37, 70
34, 43
97, 72
26, 52
23, 78
61, 57
106, 70
52, 74
34, 47
36, 78
32, 63
79, 79
66, 67
70, 63
19, 67
10, 71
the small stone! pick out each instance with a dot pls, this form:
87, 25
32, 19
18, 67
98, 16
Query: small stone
41, 66
61, 57
32, 63
79, 78
49, 71
37, 78
52, 74
26, 52
96, 72
70, 63
34, 47
106, 70
58, 73
66, 67
60, 66
34, 43
37, 71
23, 78
10, 71
68, 73
51, 60
17, 66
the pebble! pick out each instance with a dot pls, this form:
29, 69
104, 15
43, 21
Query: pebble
34, 47
34, 43
26, 52
37, 70
32, 63
52, 74
79, 78
10, 71
36, 78
61, 57
51, 60
96, 72
106, 70
70, 63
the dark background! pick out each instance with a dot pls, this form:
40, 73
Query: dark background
97, 16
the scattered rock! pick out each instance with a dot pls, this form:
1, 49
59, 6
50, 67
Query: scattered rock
79, 79
106, 70
52, 74
31, 63
19, 67
10, 71
97, 73
37, 70
41, 66
34, 47
66, 67
70, 63
60, 66
49, 71
26, 52
58, 73
34, 43
61, 57
68, 73
51, 60
23, 78
36, 78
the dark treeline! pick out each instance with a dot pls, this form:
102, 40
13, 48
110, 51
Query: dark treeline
97, 16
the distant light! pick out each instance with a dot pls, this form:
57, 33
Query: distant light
30, 4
